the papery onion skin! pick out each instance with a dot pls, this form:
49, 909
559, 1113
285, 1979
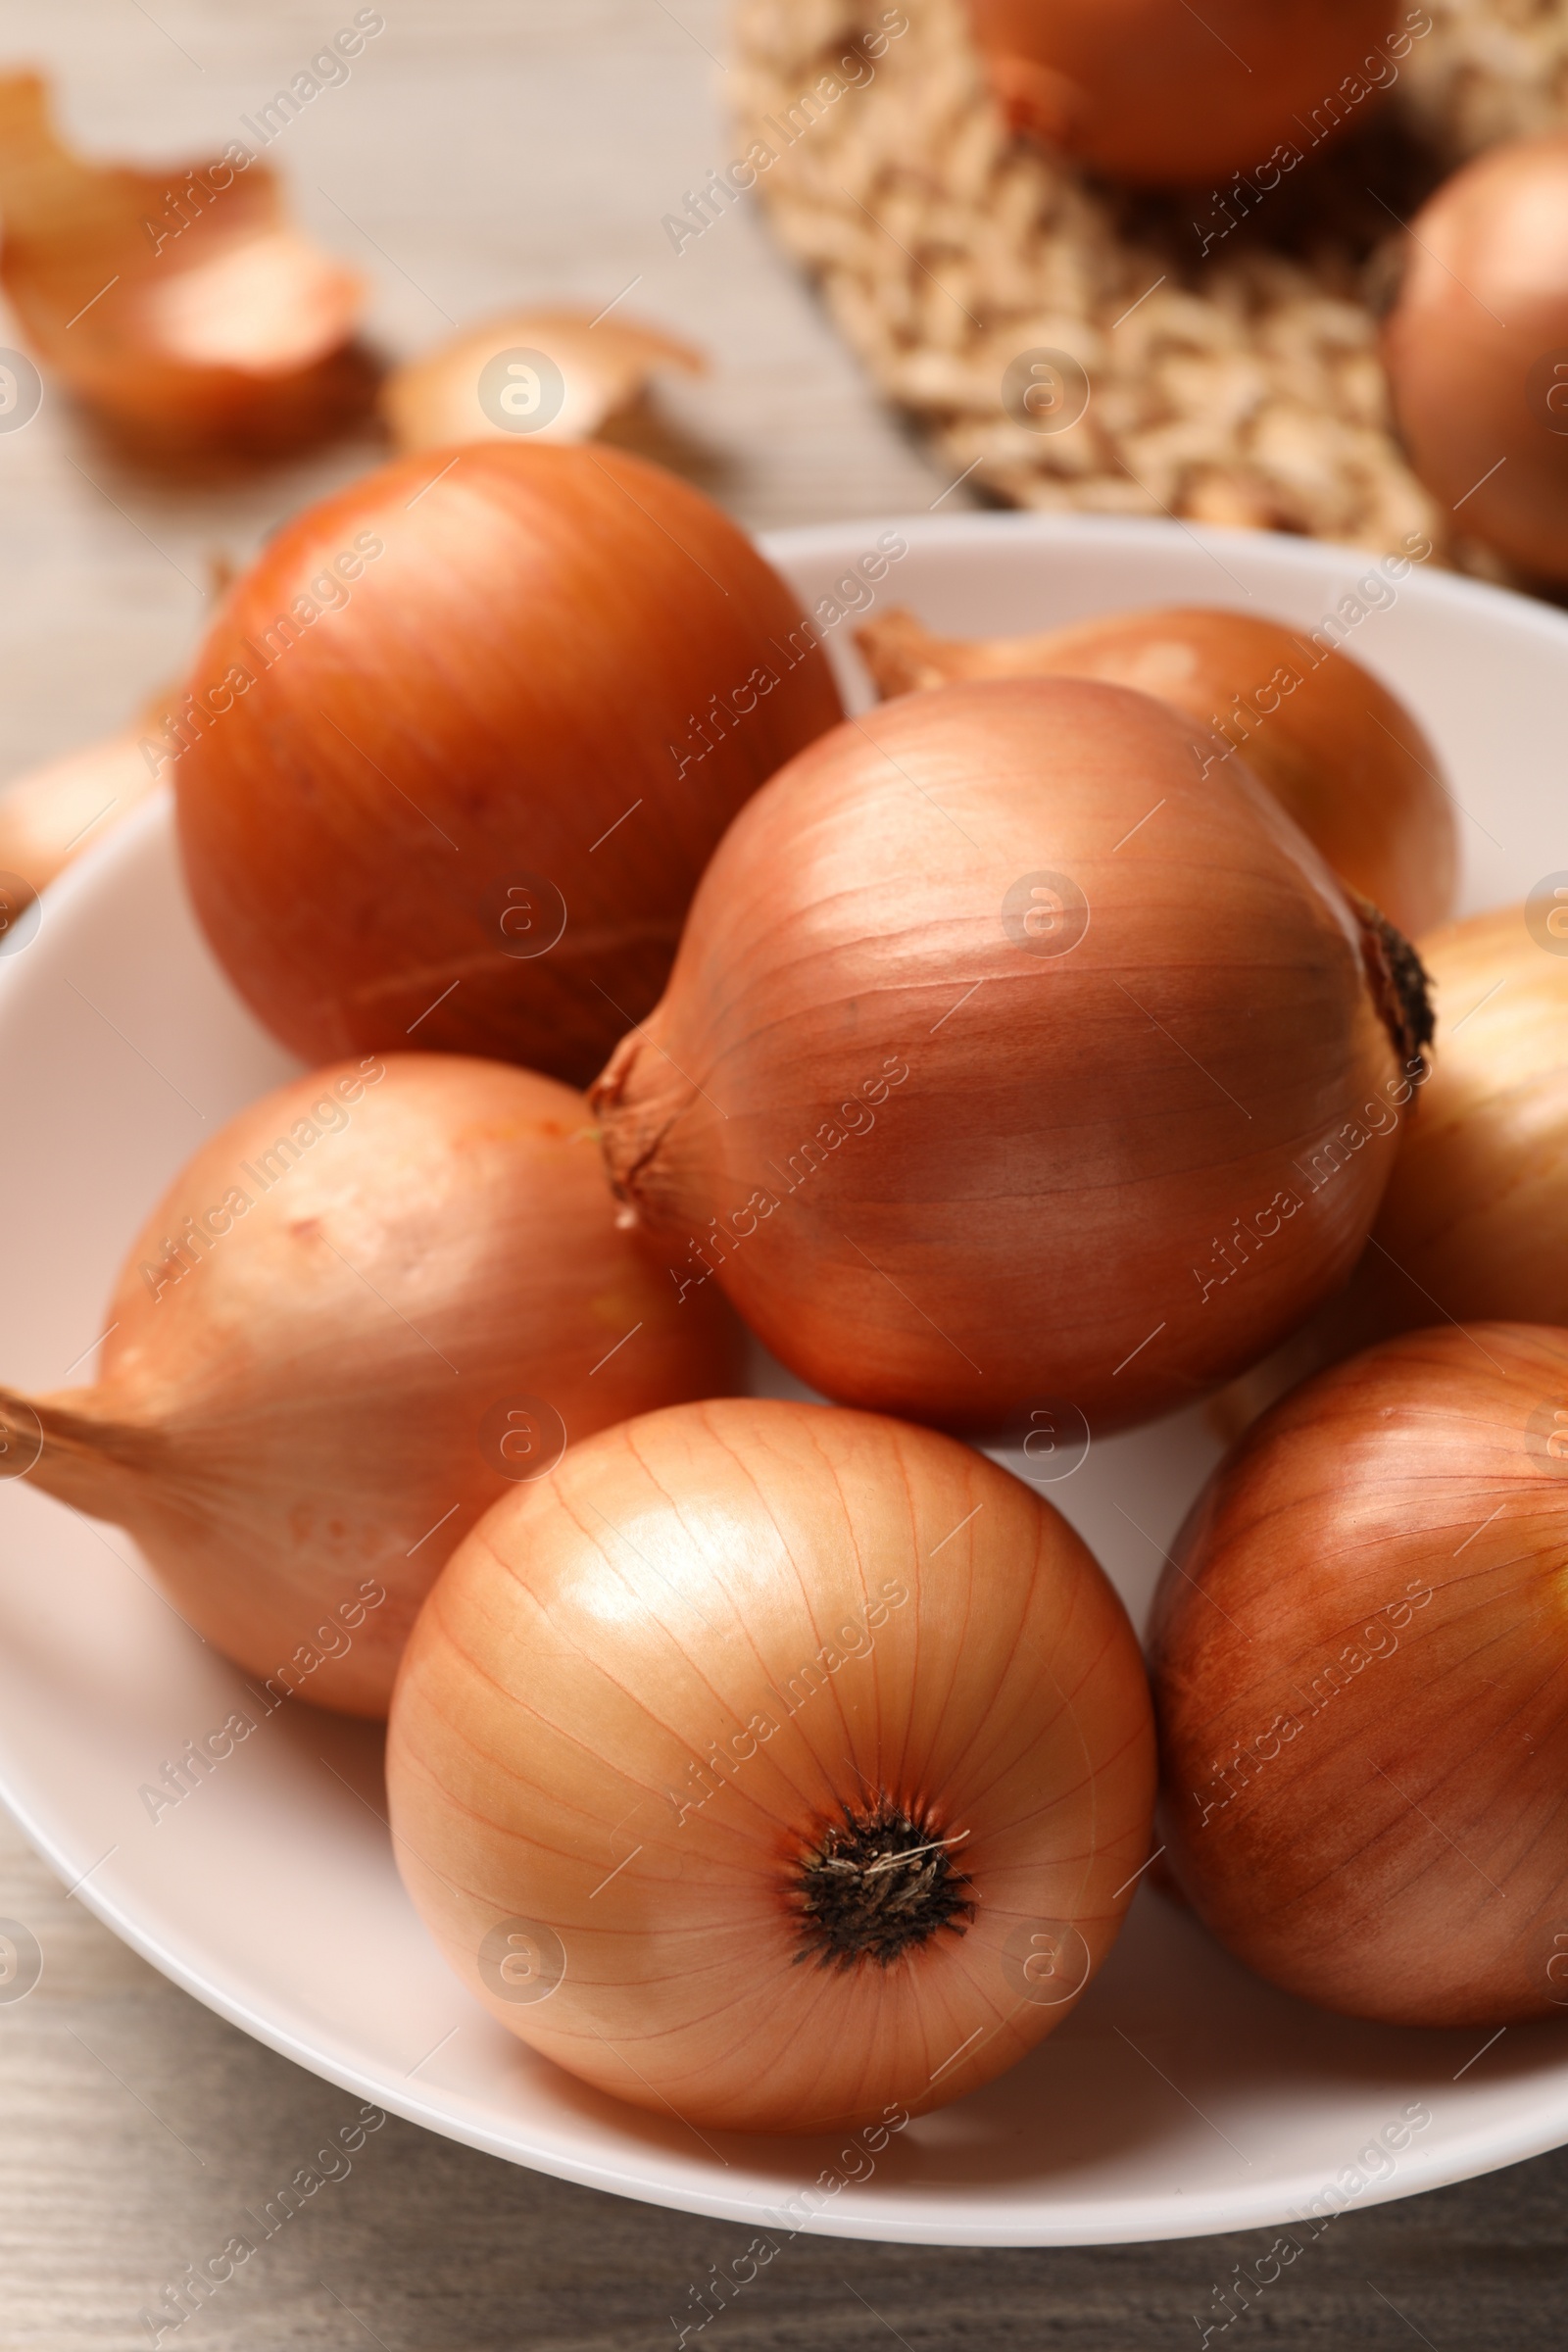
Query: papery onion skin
1000, 1174
605, 365
1339, 753
1155, 92
1401, 1853
180, 305
492, 735
1476, 349
330, 1389
601, 1640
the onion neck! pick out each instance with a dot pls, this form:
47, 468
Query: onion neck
1399, 982
876, 1883
637, 1099
73, 1451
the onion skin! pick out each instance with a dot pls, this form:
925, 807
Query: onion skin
180, 305
493, 695
1401, 1853
319, 1401
607, 365
1152, 92
601, 1635
1339, 753
1472, 344
1038, 1155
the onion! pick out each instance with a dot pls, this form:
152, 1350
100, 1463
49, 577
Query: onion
1009, 1058
1477, 350
565, 374
461, 742
378, 1298
1155, 91
777, 1767
50, 814
1362, 1688
1339, 752
1474, 1225
179, 304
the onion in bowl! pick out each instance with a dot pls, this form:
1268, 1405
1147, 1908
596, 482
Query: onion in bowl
1361, 1679
1011, 1057
773, 1765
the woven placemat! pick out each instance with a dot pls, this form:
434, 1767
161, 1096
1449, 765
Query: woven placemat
1223, 350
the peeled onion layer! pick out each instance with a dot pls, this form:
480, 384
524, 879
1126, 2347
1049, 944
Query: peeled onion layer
380, 1297
1476, 348
460, 745
1158, 93
1361, 1679
671, 1718
1339, 753
605, 366
1010, 1061
180, 305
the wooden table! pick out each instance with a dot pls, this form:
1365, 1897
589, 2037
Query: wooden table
487, 152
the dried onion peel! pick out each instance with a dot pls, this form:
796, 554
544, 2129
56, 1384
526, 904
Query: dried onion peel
180, 305
605, 366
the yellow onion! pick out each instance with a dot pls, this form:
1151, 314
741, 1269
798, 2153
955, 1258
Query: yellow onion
180, 305
774, 1766
1477, 350
1011, 1057
1361, 1680
380, 1295
462, 390
460, 744
1339, 753
1158, 91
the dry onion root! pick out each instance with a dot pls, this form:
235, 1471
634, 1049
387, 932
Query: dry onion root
180, 305
779, 1766
1476, 349
1155, 91
1010, 1059
460, 742
1362, 1685
556, 376
379, 1297
1339, 753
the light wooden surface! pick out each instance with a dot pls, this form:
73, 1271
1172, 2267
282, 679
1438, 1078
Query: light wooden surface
489, 151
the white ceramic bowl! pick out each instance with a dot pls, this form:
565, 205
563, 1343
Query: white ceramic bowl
1183, 2097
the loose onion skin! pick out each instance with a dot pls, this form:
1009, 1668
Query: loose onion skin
1153, 93
471, 801
605, 363
1339, 753
1477, 350
1382, 1565
577, 1752
180, 305
332, 1387
998, 1031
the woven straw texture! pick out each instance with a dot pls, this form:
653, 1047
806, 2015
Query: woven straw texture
1228, 345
